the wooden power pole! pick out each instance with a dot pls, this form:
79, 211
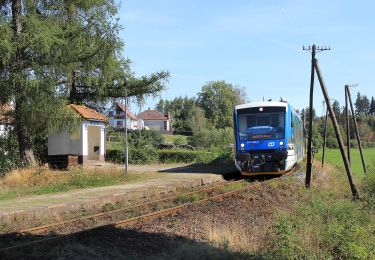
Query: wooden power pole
330, 112
337, 131
347, 124
311, 101
347, 91
325, 136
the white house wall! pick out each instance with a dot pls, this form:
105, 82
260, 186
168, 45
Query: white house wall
157, 125
59, 144
2, 130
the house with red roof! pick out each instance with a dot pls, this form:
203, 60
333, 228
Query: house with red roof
156, 120
81, 145
116, 116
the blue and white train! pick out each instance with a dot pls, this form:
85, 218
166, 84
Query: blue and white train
268, 138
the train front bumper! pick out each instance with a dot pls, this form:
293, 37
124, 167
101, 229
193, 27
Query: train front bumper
261, 161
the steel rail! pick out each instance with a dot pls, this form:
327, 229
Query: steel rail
40, 229
44, 228
134, 220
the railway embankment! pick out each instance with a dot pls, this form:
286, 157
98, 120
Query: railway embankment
23, 212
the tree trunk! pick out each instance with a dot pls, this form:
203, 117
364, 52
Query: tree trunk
24, 140
73, 89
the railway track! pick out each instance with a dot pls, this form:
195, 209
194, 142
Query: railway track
33, 236
151, 210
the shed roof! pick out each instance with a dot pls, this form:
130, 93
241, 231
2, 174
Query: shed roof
127, 111
88, 113
153, 115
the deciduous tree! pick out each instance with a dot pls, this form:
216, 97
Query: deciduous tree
217, 98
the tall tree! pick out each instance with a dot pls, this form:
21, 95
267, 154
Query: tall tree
372, 106
362, 104
336, 108
58, 52
182, 110
217, 98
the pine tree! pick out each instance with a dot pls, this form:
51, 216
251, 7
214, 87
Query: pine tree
372, 106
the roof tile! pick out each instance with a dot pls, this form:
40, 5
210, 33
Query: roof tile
88, 113
153, 115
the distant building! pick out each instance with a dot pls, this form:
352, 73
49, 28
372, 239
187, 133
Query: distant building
86, 143
156, 120
116, 116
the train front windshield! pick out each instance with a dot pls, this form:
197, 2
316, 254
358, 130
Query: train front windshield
261, 124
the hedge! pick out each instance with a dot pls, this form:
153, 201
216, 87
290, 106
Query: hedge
185, 156
146, 155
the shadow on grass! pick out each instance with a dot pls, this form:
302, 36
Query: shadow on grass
116, 243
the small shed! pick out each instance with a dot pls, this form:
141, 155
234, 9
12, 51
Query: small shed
87, 143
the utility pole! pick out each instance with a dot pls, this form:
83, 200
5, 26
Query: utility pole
309, 141
355, 126
347, 124
337, 131
126, 129
325, 136
313, 49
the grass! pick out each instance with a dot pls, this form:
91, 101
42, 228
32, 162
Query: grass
114, 145
326, 223
175, 139
333, 156
36, 181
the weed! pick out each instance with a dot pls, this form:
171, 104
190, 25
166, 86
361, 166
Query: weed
325, 228
183, 199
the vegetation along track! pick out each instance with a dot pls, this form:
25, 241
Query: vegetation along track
121, 217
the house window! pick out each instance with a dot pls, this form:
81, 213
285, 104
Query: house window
111, 113
119, 123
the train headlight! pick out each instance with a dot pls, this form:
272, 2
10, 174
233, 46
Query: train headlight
281, 143
242, 145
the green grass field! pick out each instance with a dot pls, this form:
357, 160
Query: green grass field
333, 156
171, 139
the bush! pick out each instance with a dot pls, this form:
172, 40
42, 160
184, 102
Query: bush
9, 156
185, 156
145, 137
140, 155
179, 141
368, 185
325, 229
208, 138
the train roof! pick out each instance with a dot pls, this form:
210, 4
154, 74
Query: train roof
262, 104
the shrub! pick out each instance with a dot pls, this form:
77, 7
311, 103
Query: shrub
325, 229
145, 137
208, 138
185, 156
140, 155
179, 141
368, 185
9, 157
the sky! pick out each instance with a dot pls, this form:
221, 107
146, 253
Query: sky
255, 45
